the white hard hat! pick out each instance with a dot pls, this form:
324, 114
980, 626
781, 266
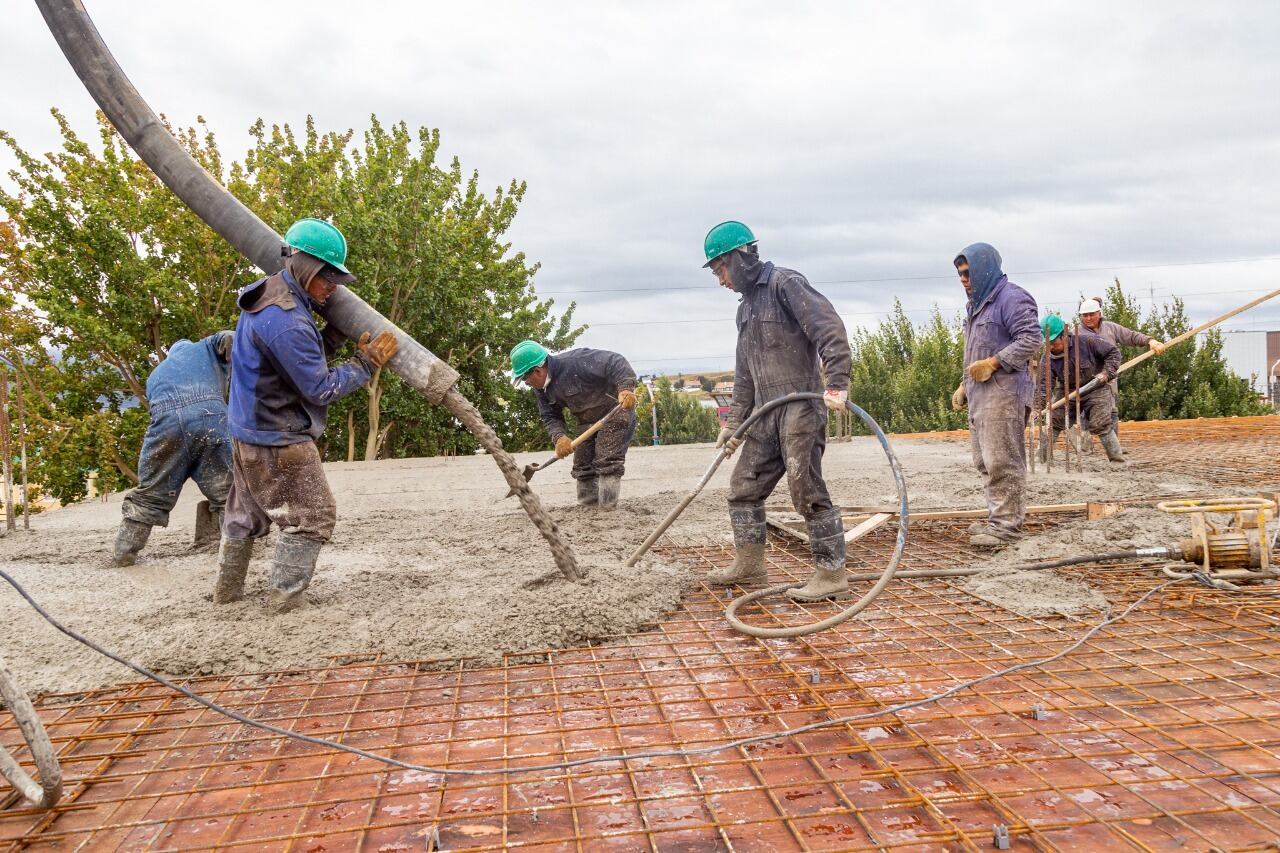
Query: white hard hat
1090, 306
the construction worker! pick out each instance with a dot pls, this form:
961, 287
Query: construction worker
1000, 337
281, 388
786, 332
589, 383
1098, 358
187, 439
1091, 318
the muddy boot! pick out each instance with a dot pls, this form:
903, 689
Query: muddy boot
608, 489
826, 540
233, 565
130, 539
1111, 444
977, 527
588, 492
208, 527
291, 569
749, 534
992, 538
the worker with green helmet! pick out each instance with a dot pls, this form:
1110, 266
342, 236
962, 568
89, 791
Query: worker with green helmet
589, 383
789, 338
281, 389
1099, 359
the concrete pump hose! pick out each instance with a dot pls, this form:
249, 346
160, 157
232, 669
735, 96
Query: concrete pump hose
900, 482
45, 793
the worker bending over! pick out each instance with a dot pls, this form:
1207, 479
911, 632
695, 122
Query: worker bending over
187, 439
786, 332
281, 389
589, 383
1000, 337
1099, 359
1121, 336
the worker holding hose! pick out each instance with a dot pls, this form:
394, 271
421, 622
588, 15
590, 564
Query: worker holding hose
281, 389
1000, 337
589, 383
187, 438
1098, 358
789, 337
1091, 318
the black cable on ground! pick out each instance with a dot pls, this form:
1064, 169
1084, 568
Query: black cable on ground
601, 759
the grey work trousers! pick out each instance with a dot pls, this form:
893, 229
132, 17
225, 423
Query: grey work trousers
284, 486
789, 440
998, 440
1097, 412
605, 453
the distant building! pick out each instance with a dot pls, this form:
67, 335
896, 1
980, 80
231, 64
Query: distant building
722, 393
1254, 355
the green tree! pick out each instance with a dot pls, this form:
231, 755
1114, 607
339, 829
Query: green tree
681, 418
103, 268
706, 384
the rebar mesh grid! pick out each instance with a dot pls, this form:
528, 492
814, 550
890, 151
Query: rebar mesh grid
1161, 733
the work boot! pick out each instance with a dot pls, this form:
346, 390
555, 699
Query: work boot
991, 537
749, 535
826, 540
977, 527
1111, 444
588, 492
608, 489
291, 569
130, 539
233, 565
208, 526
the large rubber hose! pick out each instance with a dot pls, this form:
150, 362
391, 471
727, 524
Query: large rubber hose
138, 124
900, 482
45, 793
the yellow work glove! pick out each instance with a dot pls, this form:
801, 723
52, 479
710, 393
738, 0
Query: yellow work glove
379, 350
627, 398
564, 446
981, 371
958, 398
725, 439
1157, 347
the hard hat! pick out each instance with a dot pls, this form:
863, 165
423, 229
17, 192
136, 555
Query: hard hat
319, 239
1052, 326
726, 237
527, 355
1090, 306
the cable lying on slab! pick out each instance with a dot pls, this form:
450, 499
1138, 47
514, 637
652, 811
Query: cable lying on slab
690, 752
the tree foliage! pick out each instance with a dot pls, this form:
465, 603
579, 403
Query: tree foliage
681, 418
102, 268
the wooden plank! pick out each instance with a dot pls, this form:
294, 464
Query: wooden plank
858, 513
784, 527
874, 522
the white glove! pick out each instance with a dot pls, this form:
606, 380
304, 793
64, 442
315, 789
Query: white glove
726, 440
835, 399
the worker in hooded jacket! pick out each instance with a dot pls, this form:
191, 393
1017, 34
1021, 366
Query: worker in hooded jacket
590, 383
1001, 334
1098, 359
281, 389
789, 338
1122, 336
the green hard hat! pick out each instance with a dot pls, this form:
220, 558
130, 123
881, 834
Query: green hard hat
726, 237
527, 355
1052, 326
321, 239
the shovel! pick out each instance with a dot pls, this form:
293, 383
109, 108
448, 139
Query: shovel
534, 467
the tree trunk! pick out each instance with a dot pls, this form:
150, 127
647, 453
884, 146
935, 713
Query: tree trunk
375, 416
5, 450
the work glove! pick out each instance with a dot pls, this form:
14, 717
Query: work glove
1103, 377
1157, 347
226, 340
378, 351
958, 398
564, 446
981, 371
627, 398
834, 399
725, 439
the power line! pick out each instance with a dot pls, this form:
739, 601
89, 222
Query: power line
1016, 273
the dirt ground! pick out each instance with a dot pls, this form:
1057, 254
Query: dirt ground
427, 563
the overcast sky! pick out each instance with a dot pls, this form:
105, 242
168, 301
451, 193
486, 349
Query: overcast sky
864, 143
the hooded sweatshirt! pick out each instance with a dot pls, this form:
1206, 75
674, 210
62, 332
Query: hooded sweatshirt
1002, 320
281, 386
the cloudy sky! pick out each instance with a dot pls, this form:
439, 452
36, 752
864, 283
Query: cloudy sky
865, 143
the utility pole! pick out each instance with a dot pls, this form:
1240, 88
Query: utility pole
653, 404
